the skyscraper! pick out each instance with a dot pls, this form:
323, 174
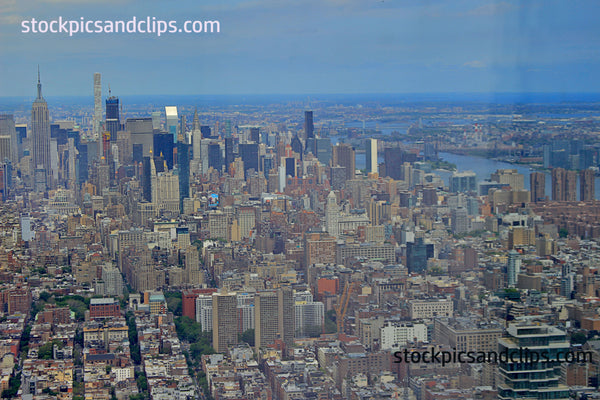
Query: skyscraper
513, 268
344, 156
460, 220
570, 186
183, 158
371, 154
274, 317
558, 184
113, 120
8, 138
97, 121
249, 155
224, 321
564, 185
215, 156
266, 326
163, 147
229, 155
309, 128
40, 139
332, 214
465, 181
510, 177
586, 185
172, 121
417, 254
537, 184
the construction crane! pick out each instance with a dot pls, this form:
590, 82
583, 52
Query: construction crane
342, 306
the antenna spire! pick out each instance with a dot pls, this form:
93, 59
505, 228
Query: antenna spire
39, 85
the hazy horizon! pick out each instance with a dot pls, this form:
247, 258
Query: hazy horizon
313, 46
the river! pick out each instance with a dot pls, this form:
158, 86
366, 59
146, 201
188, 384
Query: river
484, 167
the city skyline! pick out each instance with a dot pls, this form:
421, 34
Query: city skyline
314, 47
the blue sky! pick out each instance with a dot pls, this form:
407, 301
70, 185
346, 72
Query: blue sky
310, 46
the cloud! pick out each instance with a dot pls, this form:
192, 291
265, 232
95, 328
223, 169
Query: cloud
11, 19
475, 64
83, 2
8, 6
492, 9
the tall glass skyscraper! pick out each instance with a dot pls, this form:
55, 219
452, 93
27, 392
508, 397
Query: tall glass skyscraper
113, 120
371, 155
309, 127
183, 159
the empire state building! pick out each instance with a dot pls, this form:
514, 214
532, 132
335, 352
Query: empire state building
40, 139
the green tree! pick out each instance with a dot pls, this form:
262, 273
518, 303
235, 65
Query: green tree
45, 296
142, 382
563, 233
247, 337
578, 338
330, 324
174, 303
14, 382
45, 352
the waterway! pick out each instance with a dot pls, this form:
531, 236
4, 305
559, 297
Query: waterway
484, 167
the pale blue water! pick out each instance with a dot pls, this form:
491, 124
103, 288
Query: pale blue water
484, 168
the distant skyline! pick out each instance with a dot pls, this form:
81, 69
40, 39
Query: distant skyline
309, 47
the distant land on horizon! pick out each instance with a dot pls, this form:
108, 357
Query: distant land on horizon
320, 98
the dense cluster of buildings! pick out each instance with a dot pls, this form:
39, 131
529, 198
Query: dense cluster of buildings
310, 274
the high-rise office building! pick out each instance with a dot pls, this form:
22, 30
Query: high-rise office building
40, 140
332, 215
344, 156
513, 267
172, 121
309, 315
183, 159
215, 157
417, 254
224, 321
97, 120
323, 150
460, 220
8, 137
371, 155
537, 184
525, 373
204, 312
229, 154
249, 155
142, 133
113, 120
297, 145
509, 177
255, 134
206, 132
274, 317
586, 185
463, 182
163, 147
266, 326
309, 127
